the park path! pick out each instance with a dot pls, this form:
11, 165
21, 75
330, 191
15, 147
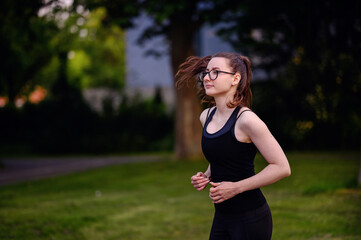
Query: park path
26, 169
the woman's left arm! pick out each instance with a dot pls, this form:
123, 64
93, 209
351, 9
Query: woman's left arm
277, 168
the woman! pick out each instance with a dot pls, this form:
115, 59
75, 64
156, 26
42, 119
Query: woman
232, 134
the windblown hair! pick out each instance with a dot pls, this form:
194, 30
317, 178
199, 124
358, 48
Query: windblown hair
189, 70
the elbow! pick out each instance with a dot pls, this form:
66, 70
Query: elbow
287, 171
284, 171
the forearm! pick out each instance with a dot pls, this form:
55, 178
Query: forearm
270, 174
208, 171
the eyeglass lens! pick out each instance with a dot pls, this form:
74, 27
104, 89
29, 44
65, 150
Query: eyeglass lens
212, 75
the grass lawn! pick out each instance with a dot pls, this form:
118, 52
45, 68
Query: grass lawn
156, 201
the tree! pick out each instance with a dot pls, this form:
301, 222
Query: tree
23, 44
95, 53
178, 21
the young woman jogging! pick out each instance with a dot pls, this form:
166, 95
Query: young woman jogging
232, 134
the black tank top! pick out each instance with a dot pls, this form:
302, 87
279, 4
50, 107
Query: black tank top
231, 160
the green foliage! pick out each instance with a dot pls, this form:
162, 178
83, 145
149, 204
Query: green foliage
97, 55
24, 43
156, 201
32, 44
145, 124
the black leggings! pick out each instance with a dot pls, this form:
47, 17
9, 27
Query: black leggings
251, 225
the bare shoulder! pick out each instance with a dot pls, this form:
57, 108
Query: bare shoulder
203, 116
249, 122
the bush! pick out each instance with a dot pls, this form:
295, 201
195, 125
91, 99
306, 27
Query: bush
70, 126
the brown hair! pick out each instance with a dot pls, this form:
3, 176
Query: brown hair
189, 70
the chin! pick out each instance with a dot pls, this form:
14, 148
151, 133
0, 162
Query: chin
209, 92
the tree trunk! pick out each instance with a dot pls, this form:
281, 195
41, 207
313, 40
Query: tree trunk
188, 107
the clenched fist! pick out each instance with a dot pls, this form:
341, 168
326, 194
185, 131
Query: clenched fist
200, 181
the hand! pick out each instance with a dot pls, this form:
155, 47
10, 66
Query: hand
222, 191
199, 181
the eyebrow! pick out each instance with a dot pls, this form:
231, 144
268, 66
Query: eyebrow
213, 68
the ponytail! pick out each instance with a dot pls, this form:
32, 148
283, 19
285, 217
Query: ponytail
243, 95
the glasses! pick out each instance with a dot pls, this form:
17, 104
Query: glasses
213, 74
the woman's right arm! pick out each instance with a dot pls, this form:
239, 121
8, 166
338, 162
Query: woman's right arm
201, 180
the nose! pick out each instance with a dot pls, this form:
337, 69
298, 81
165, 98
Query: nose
206, 78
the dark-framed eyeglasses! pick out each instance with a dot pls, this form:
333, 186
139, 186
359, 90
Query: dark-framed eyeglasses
213, 74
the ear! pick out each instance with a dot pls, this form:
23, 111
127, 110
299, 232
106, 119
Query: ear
237, 79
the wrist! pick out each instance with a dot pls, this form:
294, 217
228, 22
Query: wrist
239, 187
207, 175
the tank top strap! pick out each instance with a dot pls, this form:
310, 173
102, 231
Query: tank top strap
210, 115
233, 117
234, 123
243, 112
209, 109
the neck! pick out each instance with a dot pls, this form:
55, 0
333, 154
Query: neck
221, 103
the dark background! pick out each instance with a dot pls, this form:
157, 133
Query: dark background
309, 52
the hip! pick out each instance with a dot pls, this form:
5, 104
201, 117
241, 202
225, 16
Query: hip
242, 203
251, 215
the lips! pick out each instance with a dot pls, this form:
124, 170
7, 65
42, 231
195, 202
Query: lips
208, 86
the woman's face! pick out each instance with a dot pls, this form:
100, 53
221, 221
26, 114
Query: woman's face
225, 83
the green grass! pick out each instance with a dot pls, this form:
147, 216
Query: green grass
156, 201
